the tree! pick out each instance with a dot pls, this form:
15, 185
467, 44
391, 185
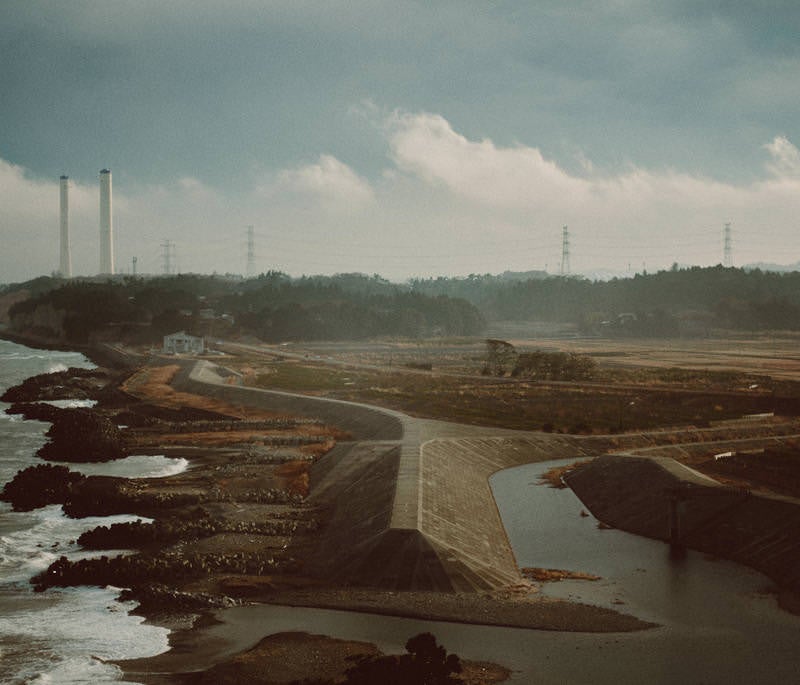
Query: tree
501, 357
426, 663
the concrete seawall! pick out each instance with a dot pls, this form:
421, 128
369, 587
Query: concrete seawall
410, 505
407, 509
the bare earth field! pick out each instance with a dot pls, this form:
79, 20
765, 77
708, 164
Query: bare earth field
636, 384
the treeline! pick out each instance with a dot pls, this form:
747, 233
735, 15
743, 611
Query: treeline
272, 307
275, 307
664, 303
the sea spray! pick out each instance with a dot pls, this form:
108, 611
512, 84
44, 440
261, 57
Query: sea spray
135, 466
62, 635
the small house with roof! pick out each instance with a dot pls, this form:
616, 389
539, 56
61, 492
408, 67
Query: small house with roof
183, 343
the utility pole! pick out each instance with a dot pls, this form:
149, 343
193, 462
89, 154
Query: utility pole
564, 251
251, 252
168, 257
727, 256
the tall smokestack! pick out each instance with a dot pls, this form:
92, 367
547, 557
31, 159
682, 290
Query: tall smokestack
65, 263
106, 228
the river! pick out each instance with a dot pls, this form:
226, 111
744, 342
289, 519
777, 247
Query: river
717, 625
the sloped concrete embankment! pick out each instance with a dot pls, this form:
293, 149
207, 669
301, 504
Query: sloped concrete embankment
403, 514
632, 493
453, 540
412, 514
458, 513
370, 486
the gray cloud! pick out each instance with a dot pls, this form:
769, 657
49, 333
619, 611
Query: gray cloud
249, 94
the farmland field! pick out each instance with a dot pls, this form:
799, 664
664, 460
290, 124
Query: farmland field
636, 384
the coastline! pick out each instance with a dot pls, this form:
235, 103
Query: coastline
101, 355
541, 614
531, 612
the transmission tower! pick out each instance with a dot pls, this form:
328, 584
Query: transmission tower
168, 257
564, 251
727, 256
251, 252
133, 266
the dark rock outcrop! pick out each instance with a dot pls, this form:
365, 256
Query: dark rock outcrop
81, 435
72, 384
40, 485
132, 570
157, 598
77, 435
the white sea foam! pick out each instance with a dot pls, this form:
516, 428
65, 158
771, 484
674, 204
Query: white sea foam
44, 535
57, 367
70, 404
135, 466
69, 640
58, 636
78, 670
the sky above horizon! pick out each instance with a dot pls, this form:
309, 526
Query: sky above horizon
401, 138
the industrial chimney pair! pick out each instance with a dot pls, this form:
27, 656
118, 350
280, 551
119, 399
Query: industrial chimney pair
106, 227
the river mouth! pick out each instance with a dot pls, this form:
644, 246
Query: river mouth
550, 528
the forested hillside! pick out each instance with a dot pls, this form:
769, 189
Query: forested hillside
275, 307
272, 307
664, 303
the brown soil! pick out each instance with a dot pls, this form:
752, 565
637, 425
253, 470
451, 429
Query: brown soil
152, 384
547, 575
555, 477
607, 405
520, 608
287, 657
293, 657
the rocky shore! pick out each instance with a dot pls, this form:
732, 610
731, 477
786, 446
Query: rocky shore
234, 528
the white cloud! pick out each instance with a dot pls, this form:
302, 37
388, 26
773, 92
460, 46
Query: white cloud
330, 181
519, 177
29, 222
447, 204
785, 157
635, 214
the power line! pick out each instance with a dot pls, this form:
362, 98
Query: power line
168, 257
727, 256
565, 251
251, 252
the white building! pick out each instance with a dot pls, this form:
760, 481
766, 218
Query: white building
183, 343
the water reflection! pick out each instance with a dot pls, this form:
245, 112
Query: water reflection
546, 528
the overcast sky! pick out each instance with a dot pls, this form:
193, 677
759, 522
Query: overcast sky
401, 138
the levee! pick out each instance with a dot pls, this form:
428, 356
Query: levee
407, 510
410, 507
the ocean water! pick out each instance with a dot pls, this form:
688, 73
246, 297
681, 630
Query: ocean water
62, 635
